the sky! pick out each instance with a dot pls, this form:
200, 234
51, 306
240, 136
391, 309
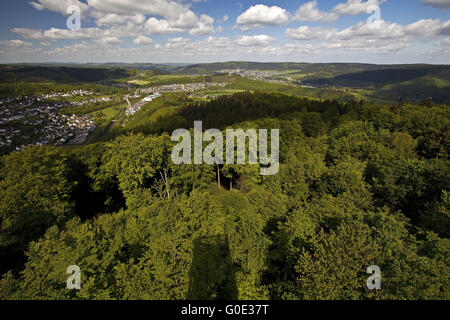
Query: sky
198, 31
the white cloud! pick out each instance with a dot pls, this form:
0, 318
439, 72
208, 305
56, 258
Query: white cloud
442, 4
166, 16
261, 15
142, 40
108, 41
178, 43
310, 33
165, 8
362, 31
204, 27
424, 28
126, 31
138, 19
300, 48
15, 43
390, 37
256, 40
61, 34
445, 29
184, 20
176, 14
178, 40
309, 12
215, 42
354, 7
58, 5
442, 48
117, 19
160, 26
443, 43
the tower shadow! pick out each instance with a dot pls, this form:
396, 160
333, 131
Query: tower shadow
212, 275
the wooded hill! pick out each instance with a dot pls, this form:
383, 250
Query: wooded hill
359, 185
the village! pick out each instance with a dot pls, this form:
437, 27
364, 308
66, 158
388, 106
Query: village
134, 108
187, 87
268, 76
37, 120
31, 120
73, 93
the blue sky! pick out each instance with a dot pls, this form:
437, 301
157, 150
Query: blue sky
191, 31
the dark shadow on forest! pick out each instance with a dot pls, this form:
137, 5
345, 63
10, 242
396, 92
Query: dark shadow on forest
89, 203
212, 275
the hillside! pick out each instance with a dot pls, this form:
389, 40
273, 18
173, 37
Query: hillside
358, 184
384, 76
61, 74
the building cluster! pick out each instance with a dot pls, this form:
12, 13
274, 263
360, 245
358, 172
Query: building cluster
78, 122
28, 121
135, 108
151, 97
132, 109
79, 92
269, 76
187, 87
99, 100
83, 126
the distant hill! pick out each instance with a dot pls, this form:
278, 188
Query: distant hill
384, 75
145, 66
330, 68
207, 68
383, 82
61, 74
413, 82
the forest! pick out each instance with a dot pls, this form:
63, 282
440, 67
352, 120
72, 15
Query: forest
360, 184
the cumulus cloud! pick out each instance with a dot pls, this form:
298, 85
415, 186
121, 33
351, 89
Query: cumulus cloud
300, 48
261, 15
204, 27
256, 40
442, 4
160, 26
424, 28
354, 7
390, 37
310, 33
445, 29
177, 43
142, 40
168, 9
443, 43
58, 34
15, 43
310, 12
108, 41
177, 40
83, 33
58, 5
442, 48
137, 20
166, 16
117, 19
